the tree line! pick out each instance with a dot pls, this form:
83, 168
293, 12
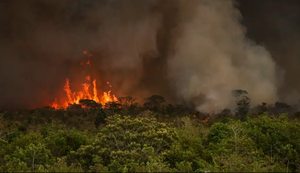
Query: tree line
154, 137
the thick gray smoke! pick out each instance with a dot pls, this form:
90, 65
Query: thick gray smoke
213, 57
186, 50
275, 24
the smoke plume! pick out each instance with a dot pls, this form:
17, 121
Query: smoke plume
193, 51
275, 25
213, 57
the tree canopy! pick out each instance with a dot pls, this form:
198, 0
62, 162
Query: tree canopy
155, 137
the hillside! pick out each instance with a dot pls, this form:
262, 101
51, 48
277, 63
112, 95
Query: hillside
154, 137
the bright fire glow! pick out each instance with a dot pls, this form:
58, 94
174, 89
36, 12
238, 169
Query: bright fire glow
75, 97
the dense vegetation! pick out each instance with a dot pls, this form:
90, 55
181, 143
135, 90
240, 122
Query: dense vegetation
155, 137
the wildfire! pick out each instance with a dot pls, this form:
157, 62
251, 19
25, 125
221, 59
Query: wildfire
55, 105
75, 97
206, 120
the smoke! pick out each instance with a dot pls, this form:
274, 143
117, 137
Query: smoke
42, 43
194, 51
213, 57
275, 25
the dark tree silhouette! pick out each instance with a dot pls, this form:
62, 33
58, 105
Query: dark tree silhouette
74, 106
238, 93
100, 117
115, 107
243, 106
126, 101
89, 104
154, 102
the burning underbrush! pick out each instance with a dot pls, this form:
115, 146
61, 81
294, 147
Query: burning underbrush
84, 97
88, 97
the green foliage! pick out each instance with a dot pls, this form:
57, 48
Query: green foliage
25, 140
12, 136
32, 156
62, 142
187, 149
184, 166
278, 139
126, 133
126, 137
236, 152
62, 166
218, 132
125, 141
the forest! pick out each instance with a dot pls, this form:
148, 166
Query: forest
125, 136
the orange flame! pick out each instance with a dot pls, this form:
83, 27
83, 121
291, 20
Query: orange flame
55, 105
75, 97
206, 120
68, 91
96, 99
87, 94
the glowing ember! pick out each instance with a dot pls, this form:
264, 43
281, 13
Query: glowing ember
109, 84
89, 62
206, 119
88, 78
85, 52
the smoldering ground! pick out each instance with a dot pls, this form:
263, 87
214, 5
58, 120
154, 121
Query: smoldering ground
186, 50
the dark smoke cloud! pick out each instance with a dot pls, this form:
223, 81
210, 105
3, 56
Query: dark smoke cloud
42, 44
275, 24
186, 50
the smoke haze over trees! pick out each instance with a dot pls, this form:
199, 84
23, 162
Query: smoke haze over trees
194, 51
